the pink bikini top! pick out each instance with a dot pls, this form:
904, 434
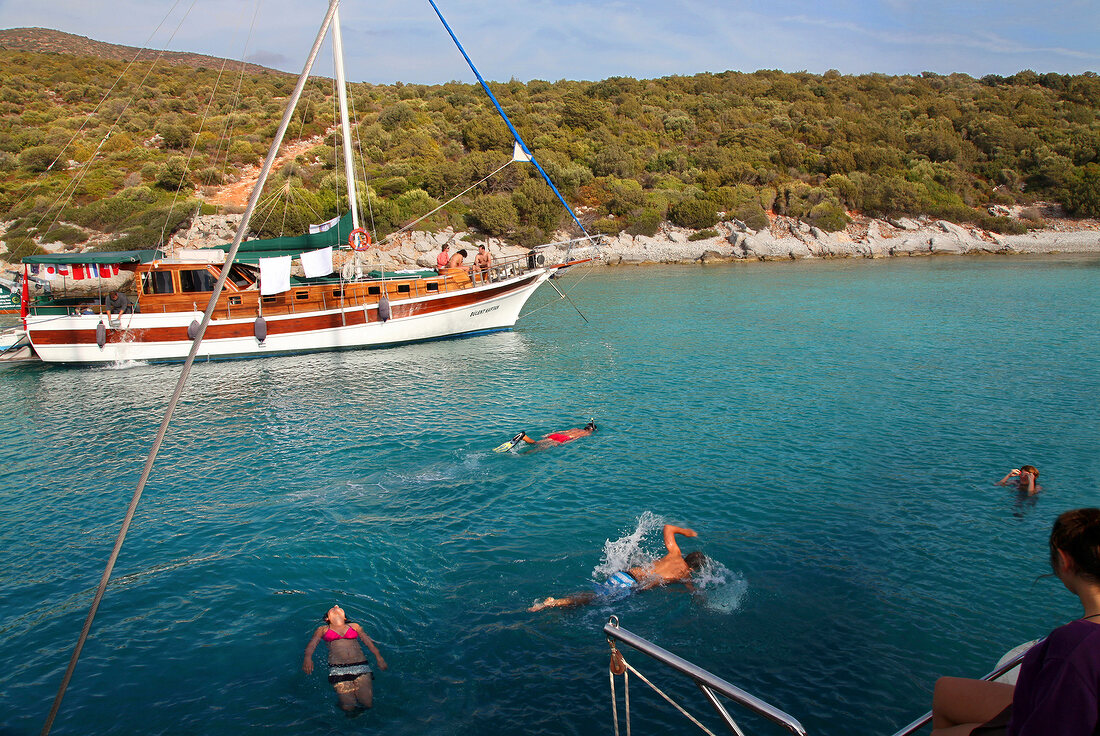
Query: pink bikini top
331, 635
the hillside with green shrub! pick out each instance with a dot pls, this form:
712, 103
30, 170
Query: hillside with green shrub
89, 144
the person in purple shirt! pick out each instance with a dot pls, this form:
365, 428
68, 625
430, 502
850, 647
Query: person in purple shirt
1058, 690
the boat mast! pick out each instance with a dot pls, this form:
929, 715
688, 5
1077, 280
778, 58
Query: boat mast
345, 126
190, 361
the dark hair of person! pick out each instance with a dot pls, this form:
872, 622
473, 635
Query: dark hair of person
695, 560
1077, 533
1030, 469
462, 253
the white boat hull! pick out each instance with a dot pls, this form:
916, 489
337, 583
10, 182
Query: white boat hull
141, 337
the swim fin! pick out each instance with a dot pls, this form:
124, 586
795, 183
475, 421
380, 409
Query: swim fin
510, 443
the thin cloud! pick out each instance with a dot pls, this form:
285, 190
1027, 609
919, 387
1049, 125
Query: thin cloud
981, 40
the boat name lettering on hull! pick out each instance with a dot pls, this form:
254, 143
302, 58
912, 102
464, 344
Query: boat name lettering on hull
483, 311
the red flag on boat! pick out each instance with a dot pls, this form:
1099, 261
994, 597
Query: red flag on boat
24, 296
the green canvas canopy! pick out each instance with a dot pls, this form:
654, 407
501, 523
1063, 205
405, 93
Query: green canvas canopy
99, 259
293, 245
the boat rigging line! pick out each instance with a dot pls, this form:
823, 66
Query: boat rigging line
74, 184
188, 363
507, 120
566, 298
91, 114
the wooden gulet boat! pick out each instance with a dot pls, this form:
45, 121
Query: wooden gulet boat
328, 314
233, 314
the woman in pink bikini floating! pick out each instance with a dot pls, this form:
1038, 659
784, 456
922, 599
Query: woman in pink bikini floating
348, 670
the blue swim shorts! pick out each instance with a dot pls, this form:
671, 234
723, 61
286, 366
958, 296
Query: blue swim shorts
618, 585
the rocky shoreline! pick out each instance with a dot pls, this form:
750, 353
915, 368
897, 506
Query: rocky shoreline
785, 239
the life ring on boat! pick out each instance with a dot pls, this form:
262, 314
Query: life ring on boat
356, 242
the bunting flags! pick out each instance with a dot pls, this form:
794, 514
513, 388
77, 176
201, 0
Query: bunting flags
51, 272
85, 271
93, 271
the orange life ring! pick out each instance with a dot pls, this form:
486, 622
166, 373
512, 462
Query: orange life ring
352, 239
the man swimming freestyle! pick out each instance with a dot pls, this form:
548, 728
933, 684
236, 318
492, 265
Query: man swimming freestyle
674, 567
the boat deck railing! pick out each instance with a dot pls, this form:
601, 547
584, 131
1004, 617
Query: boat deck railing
1000, 670
470, 277
710, 684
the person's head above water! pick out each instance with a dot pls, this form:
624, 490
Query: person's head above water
695, 560
1030, 469
1077, 535
334, 613
591, 426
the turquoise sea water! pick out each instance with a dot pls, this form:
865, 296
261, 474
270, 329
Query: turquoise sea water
831, 430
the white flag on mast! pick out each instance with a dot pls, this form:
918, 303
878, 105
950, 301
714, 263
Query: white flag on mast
519, 155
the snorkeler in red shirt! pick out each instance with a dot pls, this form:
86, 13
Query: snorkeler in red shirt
559, 438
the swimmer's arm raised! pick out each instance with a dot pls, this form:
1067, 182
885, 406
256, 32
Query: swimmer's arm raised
1011, 474
307, 661
670, 537
370, 645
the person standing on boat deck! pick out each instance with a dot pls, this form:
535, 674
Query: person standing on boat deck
674, 567
483, 261
117, 303
444, 257
348, 671
1026, 479
1058, 689
560, 438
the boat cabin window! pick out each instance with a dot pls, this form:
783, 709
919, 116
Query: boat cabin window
197, 280
433, 286
374, 290
242, 277
402, 288
301, 295
157, 282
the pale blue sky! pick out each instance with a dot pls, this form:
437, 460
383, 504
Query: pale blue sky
402, 40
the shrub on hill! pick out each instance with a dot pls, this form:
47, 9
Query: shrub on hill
494, 215
694, 213
39, 158
1083, 191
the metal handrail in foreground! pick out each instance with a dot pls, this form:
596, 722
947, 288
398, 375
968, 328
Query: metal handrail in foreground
704, 680
1006, 667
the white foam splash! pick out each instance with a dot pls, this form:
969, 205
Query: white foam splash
719, 588
630, 550
122, 365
